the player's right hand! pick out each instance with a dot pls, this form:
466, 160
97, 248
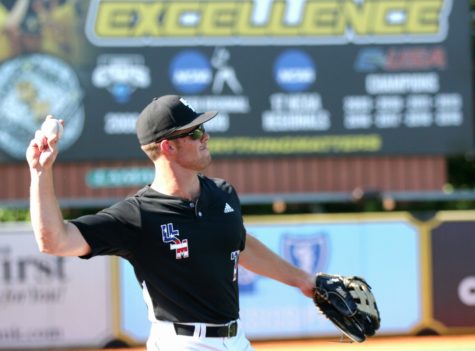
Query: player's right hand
41, 152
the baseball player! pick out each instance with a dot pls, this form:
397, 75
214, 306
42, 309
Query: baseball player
183, 233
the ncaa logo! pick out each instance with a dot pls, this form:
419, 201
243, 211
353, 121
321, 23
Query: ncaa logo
294, 71
307, 252
190, 72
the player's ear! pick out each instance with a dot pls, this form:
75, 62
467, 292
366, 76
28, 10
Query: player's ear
167, 147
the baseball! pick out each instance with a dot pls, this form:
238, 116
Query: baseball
51, 128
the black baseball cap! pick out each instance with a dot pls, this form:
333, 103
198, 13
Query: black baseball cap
167, 114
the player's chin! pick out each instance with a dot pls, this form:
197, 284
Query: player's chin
206, 160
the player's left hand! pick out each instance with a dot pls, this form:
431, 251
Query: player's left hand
307, 285
349, 303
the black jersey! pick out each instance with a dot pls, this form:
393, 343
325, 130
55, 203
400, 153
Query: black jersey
184, 253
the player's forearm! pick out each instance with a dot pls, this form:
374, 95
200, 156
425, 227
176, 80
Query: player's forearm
261, 260
46, 216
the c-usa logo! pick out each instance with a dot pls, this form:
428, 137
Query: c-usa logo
308, 252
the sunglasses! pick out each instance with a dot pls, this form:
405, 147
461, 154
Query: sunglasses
195, 134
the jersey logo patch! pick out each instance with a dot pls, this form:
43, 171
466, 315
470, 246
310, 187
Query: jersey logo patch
170, 236
228, 208
181, 249
235, 259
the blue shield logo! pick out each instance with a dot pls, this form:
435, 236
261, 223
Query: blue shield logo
308, 252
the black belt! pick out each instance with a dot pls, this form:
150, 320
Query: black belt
212, 331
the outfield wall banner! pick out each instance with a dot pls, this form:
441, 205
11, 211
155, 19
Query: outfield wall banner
453, 274
385, 252
49, 302
306, 77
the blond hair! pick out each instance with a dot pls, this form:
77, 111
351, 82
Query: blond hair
152, 150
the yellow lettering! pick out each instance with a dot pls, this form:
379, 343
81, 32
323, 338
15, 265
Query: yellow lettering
424, 16
358, 17
322, 18
127, 19
115, 19
220, 18
329, 19
147, 22
277, 27
245, 26
291, 145
182, 19
390, 17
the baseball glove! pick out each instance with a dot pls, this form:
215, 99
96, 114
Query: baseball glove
349, 304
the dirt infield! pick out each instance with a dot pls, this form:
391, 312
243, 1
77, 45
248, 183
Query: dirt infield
433, 343
421, 343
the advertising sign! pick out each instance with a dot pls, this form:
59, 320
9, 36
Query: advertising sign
307, 77
453, 276
48, 301
385, 252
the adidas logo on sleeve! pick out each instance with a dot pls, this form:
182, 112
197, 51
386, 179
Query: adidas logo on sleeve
228, 208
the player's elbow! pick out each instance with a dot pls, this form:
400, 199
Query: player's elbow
46, 244
61, 241
47, 248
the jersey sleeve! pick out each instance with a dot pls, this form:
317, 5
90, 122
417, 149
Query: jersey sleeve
242, 228
233, 197
112, 231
